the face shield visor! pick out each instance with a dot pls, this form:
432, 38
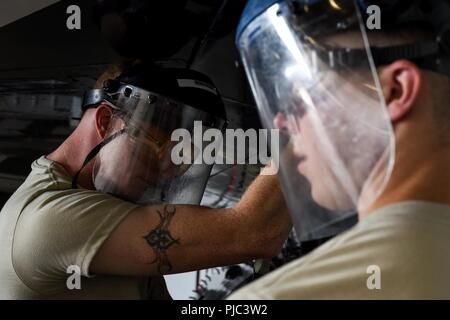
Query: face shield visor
141, 162
313, 77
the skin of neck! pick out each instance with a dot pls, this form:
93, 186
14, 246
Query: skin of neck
73, 151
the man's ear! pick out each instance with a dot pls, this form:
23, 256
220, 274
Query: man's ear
103, 116
401, 82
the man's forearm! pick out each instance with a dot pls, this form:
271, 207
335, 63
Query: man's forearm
256, 227
178, 238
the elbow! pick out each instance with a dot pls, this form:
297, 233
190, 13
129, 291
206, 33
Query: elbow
272, 247
263, 239
267, 245
273, 237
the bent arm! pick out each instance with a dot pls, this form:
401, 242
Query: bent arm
179, 238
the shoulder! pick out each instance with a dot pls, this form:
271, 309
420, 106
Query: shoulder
406, 250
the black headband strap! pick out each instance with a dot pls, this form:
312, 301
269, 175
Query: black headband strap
94, 153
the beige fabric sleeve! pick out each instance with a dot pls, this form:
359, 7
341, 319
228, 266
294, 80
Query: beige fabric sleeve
61, 229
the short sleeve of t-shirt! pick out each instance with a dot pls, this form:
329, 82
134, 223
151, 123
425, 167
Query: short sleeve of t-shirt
61, 230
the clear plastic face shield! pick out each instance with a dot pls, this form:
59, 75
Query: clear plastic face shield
137, 163
314, 79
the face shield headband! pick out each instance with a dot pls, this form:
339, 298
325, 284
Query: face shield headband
432, 54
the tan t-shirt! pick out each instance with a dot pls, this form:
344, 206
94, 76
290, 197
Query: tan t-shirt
49, 232
398, 252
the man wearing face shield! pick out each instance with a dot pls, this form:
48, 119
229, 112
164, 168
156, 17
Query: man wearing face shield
111, 207
366, 116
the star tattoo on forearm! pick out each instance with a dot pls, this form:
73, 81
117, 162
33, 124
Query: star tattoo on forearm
160, 239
